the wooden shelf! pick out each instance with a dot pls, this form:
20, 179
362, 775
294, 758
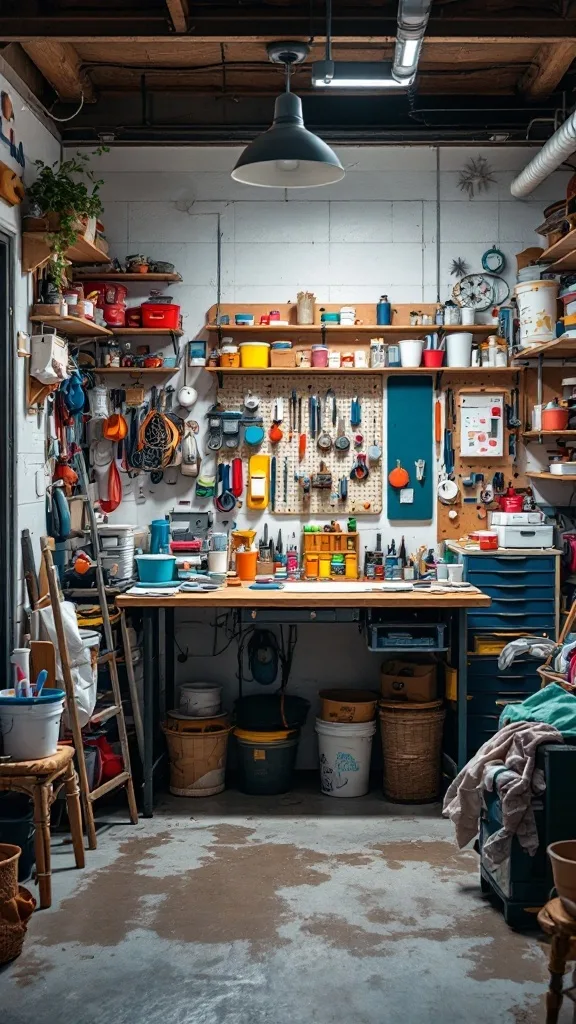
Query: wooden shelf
36, 251
133, 371
145, 332
563, 347
387, 370
77, 326
562, 255
533, 435
553, 476
393, 331
89, 275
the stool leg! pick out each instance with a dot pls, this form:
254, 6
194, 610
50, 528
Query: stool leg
42, 844
559, 949
74, 814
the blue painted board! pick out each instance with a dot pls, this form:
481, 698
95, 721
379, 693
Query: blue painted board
409, 438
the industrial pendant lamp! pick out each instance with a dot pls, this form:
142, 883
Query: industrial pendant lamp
288, 155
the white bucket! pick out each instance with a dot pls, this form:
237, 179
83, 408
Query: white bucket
459, 349
411, 352
200, 699
30, 731
345, 750
536, 311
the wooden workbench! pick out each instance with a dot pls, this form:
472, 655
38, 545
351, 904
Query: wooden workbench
158, 633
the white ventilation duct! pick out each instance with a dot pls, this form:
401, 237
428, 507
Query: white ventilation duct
412, 21
553, 153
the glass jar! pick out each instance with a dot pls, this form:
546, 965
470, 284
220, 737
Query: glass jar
305, 303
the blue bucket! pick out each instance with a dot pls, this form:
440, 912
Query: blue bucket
155, 568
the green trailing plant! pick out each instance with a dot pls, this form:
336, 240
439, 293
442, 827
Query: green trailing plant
60, 189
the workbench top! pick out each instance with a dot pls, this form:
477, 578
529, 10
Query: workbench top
243, 597
464, 549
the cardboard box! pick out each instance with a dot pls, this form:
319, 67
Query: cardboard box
282, 357
408, 680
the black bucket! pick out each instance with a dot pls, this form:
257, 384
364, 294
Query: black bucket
266, 761
271, 712
17, 829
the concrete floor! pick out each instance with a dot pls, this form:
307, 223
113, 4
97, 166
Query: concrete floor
270, 911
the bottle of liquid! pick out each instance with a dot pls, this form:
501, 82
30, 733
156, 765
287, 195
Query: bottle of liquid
439, 318
383, 312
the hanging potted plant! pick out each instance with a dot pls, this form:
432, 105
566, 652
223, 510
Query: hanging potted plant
68, 202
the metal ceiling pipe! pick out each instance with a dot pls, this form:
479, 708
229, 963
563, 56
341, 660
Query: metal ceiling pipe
559, 147
412, 21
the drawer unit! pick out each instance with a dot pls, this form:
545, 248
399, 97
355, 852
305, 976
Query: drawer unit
279, 616
524, 600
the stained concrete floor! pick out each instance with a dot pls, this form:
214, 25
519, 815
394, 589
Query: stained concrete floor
272, 910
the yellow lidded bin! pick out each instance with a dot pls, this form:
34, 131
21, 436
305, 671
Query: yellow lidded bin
254, 355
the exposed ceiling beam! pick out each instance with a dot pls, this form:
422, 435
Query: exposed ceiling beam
549, 66
227, 24
179, 11
60, 65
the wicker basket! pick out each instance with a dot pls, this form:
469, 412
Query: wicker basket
16, 904
411, 744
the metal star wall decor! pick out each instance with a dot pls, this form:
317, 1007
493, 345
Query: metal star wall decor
475, 177
459, 268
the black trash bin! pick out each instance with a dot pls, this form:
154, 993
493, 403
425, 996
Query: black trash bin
17, 827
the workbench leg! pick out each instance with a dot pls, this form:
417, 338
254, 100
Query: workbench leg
462, 688
170, 664
149, 631
161, 649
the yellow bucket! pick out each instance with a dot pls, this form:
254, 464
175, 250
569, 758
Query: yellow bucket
264, 737
254, 355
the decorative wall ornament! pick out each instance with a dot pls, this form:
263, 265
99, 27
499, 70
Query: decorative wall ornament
459, 267
476, 176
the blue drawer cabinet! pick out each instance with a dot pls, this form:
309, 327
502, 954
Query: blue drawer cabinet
524, 599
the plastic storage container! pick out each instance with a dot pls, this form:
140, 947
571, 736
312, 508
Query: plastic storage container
200, 700
254, 354
536, 311
155, 568
266, 761
345, 753
459, 349
164, 315
411, 352
30, 726
17, 828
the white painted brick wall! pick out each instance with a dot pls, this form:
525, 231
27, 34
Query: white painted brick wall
373, 232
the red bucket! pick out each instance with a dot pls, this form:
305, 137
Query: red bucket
433, 357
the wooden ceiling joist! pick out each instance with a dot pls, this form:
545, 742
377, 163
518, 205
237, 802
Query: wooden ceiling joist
179, 11
548, 67
60, 67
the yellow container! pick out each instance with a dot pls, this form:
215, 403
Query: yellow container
351, 563
451, 677
324, 566
264, 737
231, 360
254, 355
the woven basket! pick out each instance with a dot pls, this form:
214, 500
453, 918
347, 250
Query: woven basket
16, 904
411, 744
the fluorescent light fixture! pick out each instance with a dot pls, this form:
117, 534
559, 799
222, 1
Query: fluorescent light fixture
345, 74
408, 55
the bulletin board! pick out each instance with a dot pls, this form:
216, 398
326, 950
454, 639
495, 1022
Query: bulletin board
471, 514
268, 388
410, 439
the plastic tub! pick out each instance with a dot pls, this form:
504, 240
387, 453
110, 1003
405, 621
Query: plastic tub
197, 759
347, 705
345, 752
411, 352
319, 356
30, 726
17, 829
155, 568
563, 860
433, 357
536, 311
459, 349
200, 700
266, 761
164, 315
254, 354
271, 712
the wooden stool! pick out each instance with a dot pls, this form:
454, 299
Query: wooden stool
42, 781
555, 921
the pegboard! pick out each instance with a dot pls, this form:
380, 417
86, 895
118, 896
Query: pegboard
345, 386
470, 515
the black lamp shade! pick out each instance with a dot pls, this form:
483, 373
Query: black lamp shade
288, 155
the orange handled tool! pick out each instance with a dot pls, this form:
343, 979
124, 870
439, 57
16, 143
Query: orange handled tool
438, 421
301, 446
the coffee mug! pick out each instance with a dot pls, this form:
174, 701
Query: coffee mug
441, 571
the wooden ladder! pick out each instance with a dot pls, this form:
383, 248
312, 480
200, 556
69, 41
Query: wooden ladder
108, 657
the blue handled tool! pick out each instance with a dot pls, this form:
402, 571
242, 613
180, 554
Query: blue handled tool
40, 680
266, 586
